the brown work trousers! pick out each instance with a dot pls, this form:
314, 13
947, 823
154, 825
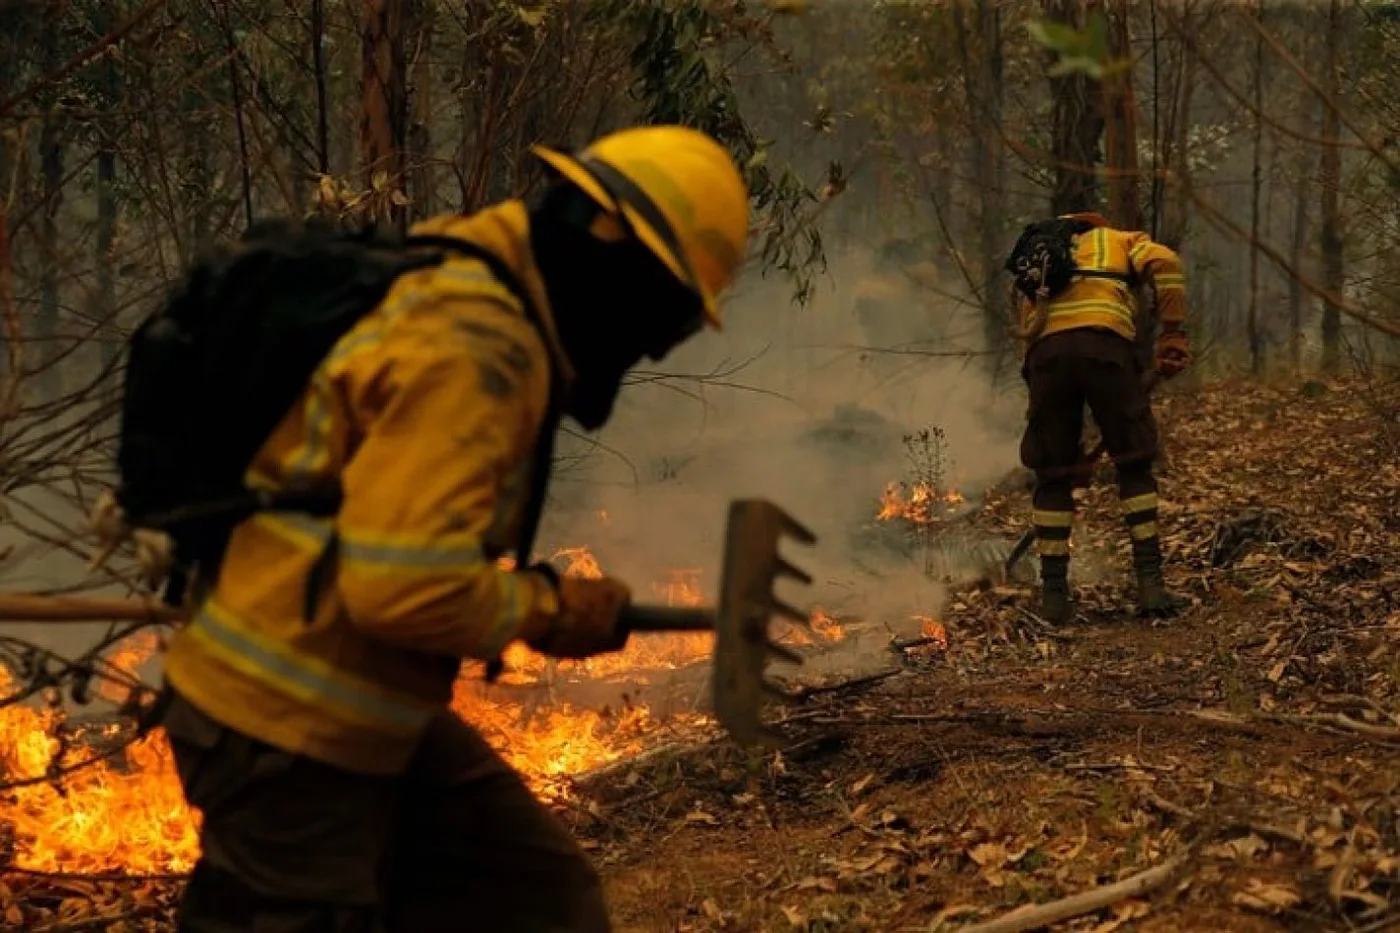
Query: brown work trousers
1064, 372
457, 844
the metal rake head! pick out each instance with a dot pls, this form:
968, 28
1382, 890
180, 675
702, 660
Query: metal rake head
747, 605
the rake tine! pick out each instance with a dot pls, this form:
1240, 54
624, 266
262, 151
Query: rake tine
785, 653
795, 529
789, 612
785, 569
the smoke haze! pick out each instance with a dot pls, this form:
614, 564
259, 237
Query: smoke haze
792, 407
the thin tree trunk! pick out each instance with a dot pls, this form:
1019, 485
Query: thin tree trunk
383, 105
1120, 154
1158, 179
236, 88
983, 85
105, 241
318, 67
108, 208
423, 184
1295, 258
197, 173
1120, 128
1176, 209
51, 161
1077, 125
1256, 340
1333, 261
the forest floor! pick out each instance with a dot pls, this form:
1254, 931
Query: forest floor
1251, 745
1252, 742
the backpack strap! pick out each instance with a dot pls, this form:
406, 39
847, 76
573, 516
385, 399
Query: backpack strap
1105, 274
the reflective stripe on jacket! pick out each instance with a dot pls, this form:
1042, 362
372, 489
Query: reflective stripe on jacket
1111, 304
428, 411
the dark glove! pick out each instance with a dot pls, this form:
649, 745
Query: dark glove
587, 623
1173, 354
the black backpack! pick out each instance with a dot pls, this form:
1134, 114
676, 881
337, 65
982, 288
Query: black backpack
1042, 261
214, 370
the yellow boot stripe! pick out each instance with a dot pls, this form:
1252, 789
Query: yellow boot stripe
1048, 519
1143, 531
1047, 547
1142, 503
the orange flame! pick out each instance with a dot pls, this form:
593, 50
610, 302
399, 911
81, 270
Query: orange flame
929, 627
126, 812
919, 504
821, 627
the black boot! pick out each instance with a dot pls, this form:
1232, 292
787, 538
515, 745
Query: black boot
1154, 599
1056, 606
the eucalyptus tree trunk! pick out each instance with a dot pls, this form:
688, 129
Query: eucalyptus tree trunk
423, 178
1333, 261
52, 156
383, 104
983, 82
1077, 125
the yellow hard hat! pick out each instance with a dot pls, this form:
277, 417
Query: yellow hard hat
681, 192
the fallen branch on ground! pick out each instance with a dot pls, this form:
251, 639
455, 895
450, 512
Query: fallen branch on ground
1341, 721
1045, 722
616, 769
1086, 902
855, 683
1227, 822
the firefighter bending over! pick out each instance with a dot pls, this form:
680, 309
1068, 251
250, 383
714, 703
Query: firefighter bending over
338, 792
1077, 277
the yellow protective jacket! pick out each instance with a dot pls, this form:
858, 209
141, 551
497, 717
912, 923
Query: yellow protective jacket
428, 411
1107, 303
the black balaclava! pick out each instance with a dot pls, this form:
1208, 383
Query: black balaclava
613, 303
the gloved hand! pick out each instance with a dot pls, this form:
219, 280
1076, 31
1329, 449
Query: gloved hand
1173, 354
587, 623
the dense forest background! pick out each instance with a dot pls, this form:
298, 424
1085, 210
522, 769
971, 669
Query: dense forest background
882, 138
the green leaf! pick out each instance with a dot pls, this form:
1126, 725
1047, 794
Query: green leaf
1057, 37
1075, 64
532, 18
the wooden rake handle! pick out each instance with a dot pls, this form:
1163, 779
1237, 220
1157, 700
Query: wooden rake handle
34, 607
666, 619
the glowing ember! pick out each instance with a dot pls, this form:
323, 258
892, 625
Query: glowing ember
918, 504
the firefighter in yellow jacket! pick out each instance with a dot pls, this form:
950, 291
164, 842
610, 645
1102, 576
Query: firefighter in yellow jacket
1082, 351
337, 791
